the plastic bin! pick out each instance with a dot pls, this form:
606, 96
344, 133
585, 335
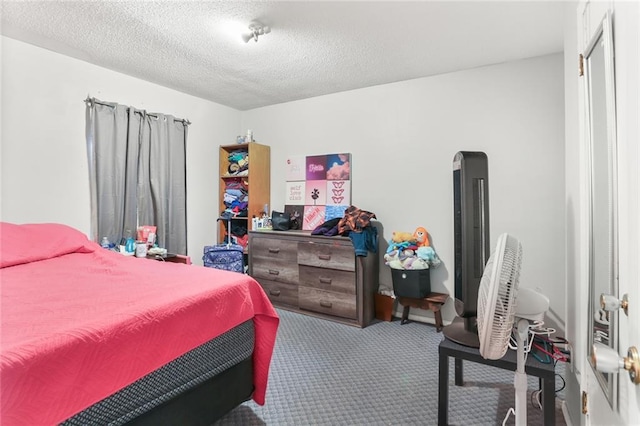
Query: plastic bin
414, 283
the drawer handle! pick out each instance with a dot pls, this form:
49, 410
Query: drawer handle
274, 292
325, 304
274, 250
324, 256
325, 280
274, 272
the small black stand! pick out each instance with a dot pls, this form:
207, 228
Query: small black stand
447, 348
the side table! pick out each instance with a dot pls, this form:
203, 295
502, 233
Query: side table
448, 348
171, 257
433, 301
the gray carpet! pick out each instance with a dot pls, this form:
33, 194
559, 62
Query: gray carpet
326, 373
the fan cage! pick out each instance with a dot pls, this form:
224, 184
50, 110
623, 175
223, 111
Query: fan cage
497, 299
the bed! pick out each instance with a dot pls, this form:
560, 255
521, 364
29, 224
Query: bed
93, 337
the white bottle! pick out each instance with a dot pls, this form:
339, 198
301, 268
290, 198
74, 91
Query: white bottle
249, 137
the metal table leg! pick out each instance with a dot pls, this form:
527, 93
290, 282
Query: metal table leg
549, 400
459, 372
443, 388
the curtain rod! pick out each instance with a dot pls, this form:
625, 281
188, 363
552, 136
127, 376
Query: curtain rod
113, 105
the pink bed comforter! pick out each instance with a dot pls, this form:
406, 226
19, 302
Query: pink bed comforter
80, 322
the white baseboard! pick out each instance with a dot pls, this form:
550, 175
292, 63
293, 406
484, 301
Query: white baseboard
553, 319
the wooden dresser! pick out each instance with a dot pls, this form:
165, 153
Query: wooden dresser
315, 275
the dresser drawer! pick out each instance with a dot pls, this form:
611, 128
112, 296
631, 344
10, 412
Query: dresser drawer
274, 249
273, 259
327, 302
275, 271
328, 279
331, 256
280, 293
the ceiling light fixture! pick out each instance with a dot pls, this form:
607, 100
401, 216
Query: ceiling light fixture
255, 29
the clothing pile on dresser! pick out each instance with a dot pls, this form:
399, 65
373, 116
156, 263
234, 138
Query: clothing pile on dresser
356, 224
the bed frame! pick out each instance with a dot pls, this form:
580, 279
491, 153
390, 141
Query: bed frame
206, 403
181, 392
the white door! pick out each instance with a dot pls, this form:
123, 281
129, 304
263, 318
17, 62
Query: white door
623, 407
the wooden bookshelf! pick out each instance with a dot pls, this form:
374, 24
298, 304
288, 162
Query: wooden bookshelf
257, 177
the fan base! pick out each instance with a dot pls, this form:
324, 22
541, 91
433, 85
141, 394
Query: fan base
458, 332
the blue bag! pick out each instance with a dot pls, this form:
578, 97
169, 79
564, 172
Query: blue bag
228, 257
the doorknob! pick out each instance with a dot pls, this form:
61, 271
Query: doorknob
607, 360
611, 303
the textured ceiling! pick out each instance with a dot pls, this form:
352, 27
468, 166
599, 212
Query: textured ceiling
314, 48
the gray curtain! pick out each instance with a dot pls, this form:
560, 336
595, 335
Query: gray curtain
137, 168
161, 187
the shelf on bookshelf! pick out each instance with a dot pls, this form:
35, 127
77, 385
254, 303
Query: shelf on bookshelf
235, 176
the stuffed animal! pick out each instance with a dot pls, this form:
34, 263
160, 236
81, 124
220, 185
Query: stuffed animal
393, 259
421, 237
408, 262
399, 237
408, 252
428, 254
419, 264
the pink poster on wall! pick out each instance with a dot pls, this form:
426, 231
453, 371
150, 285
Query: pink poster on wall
315, 193
313, 217
296, 168
319, 186
317, 167
338, 193
339, 167
295, 193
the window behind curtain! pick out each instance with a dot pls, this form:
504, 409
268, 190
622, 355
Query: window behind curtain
137, 169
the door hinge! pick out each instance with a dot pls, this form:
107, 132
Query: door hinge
580, 65
585, 409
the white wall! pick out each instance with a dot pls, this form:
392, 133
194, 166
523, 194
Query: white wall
403, 137
44, 164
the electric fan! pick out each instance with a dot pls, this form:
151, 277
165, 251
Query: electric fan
496, 311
